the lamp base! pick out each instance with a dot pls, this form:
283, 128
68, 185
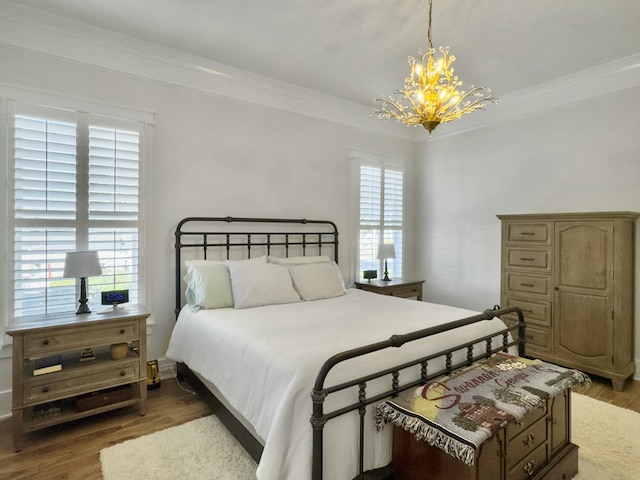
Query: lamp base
83, 308
386, 273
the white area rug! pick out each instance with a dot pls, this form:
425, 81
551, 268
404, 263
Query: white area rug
197, 450
608, 438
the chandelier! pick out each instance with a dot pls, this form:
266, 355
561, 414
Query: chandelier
430, 95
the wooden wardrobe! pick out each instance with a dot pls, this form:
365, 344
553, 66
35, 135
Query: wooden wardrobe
573, 276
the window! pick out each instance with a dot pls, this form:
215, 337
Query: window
381, 215
76, 186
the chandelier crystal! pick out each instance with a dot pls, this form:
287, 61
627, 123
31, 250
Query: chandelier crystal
431, 93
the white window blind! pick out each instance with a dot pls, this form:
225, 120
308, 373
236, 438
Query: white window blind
76, 187
381, 215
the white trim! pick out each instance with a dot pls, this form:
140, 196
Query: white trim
33, 31
30, 30
358, 158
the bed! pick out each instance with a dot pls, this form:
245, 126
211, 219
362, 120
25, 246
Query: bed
292, 361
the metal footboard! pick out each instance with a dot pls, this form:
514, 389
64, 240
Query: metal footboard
511, 336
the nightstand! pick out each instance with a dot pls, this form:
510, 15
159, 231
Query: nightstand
397, 287
64, 369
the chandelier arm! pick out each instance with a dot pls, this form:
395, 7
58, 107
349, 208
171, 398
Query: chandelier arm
429, 29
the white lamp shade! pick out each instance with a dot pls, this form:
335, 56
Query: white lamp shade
81, 265
386, 250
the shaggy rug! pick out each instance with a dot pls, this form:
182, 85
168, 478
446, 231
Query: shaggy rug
203, 450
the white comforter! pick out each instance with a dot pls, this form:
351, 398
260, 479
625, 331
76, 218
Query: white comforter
264, 361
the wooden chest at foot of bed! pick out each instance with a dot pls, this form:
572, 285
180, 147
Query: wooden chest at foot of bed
536, 447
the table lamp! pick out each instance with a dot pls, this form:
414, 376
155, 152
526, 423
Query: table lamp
82, 265
385, 251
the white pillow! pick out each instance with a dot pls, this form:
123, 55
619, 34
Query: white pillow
286, 261
209, 284
316, 281
256, 284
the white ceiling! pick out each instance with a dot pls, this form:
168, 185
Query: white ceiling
358, 49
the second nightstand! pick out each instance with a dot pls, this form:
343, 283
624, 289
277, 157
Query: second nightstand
397, 287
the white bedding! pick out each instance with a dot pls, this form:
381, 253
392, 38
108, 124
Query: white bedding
264, 360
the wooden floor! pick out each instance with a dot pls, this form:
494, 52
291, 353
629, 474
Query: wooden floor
72, 451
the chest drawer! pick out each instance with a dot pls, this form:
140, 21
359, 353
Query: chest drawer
64, 384
528, 283
534, 232
529, 465
78, 338
526, 441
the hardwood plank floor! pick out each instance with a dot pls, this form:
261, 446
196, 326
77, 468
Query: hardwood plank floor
71, 451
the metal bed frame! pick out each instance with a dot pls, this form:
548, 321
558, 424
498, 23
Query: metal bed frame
299, 237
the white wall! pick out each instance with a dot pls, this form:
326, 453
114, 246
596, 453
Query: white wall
581, 157
210, 156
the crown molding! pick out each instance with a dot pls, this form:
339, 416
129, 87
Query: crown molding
33, 31
604, 80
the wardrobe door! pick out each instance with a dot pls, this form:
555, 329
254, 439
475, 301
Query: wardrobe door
583, 293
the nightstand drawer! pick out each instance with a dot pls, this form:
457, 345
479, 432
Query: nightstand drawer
60, 384
405, 292
78, 338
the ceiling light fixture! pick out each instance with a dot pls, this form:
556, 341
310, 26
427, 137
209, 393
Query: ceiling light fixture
430, 95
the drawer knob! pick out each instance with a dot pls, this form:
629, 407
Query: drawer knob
45, 389
530, 467
530, 285
122, 330
123, 373
527, 233
45, 342
529, 440
526, 259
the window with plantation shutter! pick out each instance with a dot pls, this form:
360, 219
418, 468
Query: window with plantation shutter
76, 186
381, 215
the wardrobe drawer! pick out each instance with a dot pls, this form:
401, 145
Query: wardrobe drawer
538, 260
530, 232
517, 282
534, 312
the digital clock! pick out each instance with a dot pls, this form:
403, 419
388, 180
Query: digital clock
115, 297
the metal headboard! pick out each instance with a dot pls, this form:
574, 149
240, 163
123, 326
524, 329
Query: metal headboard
247, 235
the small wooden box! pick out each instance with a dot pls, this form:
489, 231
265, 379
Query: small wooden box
101, 398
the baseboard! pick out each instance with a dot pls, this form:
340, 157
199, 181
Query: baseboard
6, 400
167, 368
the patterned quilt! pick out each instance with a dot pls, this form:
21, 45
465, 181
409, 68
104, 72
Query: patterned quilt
458, 412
